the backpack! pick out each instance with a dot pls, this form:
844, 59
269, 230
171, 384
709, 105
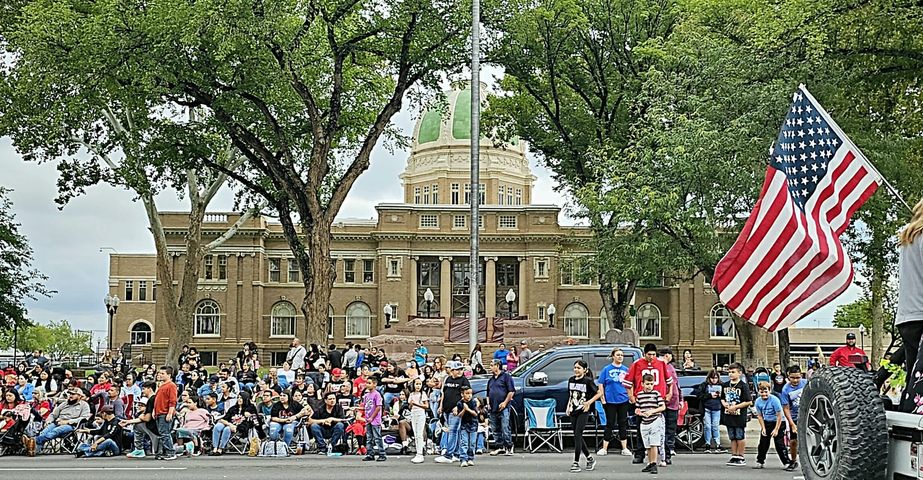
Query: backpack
273, 448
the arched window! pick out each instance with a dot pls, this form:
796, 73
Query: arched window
140, 333
648, 321
358, 320
721, 321
207, 318
576, 320
282, 322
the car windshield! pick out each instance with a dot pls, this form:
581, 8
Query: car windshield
521, 369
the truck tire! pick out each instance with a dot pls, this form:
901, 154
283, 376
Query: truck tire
842, 430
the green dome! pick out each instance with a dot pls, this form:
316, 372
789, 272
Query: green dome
448, 122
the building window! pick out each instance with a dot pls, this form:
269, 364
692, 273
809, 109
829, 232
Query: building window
394, 267
467, 193
278, 358
482, 194
428, 274
140, 333
459, 221
722, 360
435, 194
509, 195
429, 221
368, 271
274, 269
416, 195
154, 291
208, 274
282, 322
541, 313
648, 321
330, 321
349, 271
294, 274
500, 195
142, 290
222, 267
721, 321
129, 290
507, 221
208, 359
518, 196
207, 318
577, 271
426, 195
576, 321
358, 320
454, 194
541, 268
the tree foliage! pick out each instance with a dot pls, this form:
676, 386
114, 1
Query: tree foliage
57, 339
19, 280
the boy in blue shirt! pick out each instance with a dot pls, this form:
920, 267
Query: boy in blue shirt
772, 426
791, 399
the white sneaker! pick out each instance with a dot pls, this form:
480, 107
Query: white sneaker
453, 459
464, 463
417, 459
441, 459
626, 452
602, 452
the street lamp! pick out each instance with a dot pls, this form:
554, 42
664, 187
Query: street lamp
862, 335
551, 311
388, 312
428, 296
15, 339
112, 306
510, 298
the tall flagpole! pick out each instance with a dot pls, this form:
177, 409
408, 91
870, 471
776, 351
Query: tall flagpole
475, 189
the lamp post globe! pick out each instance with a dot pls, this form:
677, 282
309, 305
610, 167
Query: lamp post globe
428, 296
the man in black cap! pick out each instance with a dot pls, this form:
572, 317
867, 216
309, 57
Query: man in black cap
840, 356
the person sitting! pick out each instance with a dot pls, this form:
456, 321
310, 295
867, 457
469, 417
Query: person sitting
228, 397
266, 403
328, 424
145, 424
275, 382
195, 420
247, 377
113, 400
285, 414
214, 407
64, 419
108, 438
25, 388
301, 384
241, 417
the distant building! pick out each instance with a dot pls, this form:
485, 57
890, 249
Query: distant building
251, 288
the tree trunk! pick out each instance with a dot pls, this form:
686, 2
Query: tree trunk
181, 330
752, 343
785, 348
616, 301
318, 276
878, 325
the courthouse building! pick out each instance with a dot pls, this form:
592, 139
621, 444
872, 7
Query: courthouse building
250, 287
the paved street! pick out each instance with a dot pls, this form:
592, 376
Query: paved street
532, 467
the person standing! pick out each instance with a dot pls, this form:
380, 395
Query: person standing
451, 394
709, 393
419, 404
582, 394
421, 354
909, 319
650, 407
467, 411
735, 398
501, 354
296, 355
373, 413
476, 360
778, 378
674, 405
615, 401
164, 410
500, 391
791, 399
349, 360
648, 364
840, 356
524, 353
772, 426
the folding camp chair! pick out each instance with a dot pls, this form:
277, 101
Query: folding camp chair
542, 426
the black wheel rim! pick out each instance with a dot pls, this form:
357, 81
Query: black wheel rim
821, 437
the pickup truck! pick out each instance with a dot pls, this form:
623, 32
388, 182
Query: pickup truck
545, 375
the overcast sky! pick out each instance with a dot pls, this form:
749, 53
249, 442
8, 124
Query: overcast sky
72, 245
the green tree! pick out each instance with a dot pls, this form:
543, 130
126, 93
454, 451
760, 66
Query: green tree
19, 280
65, 341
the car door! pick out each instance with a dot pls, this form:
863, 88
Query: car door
558, 370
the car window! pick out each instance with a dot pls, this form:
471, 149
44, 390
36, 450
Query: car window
559, 370
598, 361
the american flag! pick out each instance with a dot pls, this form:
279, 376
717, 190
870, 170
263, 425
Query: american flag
788, 260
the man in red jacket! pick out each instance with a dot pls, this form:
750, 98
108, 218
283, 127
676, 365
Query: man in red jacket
164, 410
840, 356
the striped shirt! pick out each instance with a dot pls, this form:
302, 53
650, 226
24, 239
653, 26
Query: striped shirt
649, 401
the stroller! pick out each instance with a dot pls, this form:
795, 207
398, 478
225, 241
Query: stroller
11, 441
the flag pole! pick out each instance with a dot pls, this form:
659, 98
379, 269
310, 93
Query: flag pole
839, 131
475, 190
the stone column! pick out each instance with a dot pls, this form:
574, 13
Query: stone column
490, 287
445, 288
523, 291
412, 305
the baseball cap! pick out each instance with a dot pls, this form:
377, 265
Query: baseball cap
455, 365
850, 336
383, 364
523, 342
106, 409
336, 372
213, 379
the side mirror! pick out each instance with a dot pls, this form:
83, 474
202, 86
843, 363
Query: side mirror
539, 379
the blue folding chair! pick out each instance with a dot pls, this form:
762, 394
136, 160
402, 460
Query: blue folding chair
543, 427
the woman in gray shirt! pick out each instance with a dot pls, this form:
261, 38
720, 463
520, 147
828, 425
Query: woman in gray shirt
910, 307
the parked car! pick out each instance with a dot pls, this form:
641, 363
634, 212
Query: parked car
691, 433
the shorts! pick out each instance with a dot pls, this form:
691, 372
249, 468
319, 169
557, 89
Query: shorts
736, 433
652, 433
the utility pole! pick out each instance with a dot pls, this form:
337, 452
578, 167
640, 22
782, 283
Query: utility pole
473, 293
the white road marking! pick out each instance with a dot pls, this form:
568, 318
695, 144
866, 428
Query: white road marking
86, 469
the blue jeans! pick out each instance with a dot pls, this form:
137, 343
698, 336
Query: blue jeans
107, 448
375, 443
467, 440
322, 432
450, 440
221, 436
389, 399
51, 432
712, 426
500, 426
276, 428
481, 441
165, 429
